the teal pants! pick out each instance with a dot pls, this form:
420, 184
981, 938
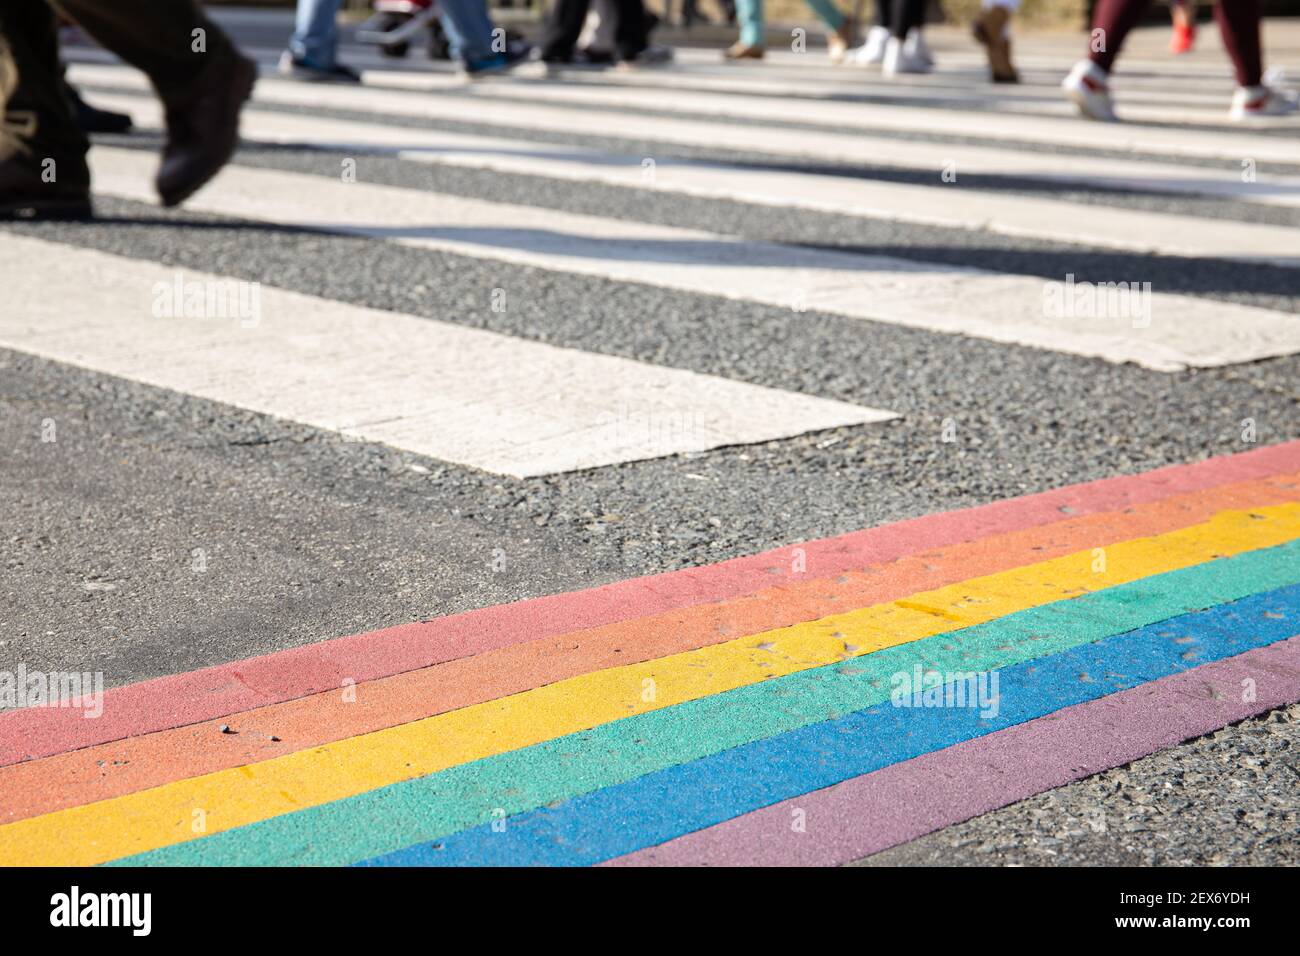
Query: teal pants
750, 15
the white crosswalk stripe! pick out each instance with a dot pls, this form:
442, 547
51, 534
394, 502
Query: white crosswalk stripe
463, 395
970, 208
1167, 332
827, 145
525, 409
737, 102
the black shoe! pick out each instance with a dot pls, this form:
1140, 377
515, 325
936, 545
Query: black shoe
579, 60
591, 56
654, 55
25, 193
203, 128
93, 120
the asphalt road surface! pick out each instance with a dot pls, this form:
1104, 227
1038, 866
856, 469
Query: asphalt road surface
842, 288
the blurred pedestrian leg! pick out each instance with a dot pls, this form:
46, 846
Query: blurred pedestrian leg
565, 22
992, 28
872, 51
905, 51
475, 40
598, 44
1088, 84
1183, 15
314, 44
195, 70
750, 45
43, 171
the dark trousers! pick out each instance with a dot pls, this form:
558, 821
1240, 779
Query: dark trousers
170, 40
564, 24
1238, 24
900, 16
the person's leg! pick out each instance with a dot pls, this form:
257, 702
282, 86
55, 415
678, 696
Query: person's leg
1088, 84
1112, 22
631, 28
172, 41
1239, 24
750, 15
469, 29
828, 13
906, 16
315, 37
199, 76
562, 29
602, 38
992, 28
38, 117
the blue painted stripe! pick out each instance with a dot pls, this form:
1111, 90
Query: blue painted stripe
651, 809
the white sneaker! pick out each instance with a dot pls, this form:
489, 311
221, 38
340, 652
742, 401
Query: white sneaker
1250, 102
915, 46
1088, 88
897, 60
871, 52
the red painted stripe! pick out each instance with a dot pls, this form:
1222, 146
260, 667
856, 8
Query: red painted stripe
906, 800
212, 692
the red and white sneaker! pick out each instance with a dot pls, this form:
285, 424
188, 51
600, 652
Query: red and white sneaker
1088, 88
1252, 102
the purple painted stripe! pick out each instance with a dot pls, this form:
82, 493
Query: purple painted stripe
910, 799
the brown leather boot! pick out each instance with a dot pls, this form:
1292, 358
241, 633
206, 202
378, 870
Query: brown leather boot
203, 127
34, 185
990, 29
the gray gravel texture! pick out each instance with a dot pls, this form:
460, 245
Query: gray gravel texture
303, 536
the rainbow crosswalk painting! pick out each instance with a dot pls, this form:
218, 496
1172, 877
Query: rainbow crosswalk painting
809, 705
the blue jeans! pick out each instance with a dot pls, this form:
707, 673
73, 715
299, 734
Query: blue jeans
315, 36
468, 28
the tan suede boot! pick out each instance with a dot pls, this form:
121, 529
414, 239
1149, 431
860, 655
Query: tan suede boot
990, 29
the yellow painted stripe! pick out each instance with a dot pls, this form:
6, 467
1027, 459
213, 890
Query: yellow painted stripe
230, 798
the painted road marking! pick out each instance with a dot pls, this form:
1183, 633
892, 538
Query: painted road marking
262, 682
825, 145
1027, 598
909, 799
738, 101
462, 395
149, 760
965, 208
688, 796
467, 795
1057, 611
1157, 330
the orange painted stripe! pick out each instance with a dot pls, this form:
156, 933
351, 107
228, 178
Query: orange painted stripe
114, 769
